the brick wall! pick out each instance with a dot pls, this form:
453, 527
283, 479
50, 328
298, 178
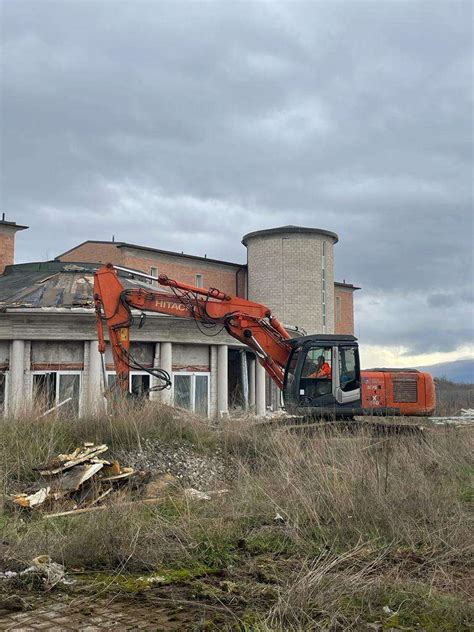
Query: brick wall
181, 268
343, 310
7, 249
285, 273
185, 270
93, 252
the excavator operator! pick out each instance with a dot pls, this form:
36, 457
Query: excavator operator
323, 370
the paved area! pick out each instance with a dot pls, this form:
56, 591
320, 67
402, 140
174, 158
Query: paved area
89, 615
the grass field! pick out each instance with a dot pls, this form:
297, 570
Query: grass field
330, 531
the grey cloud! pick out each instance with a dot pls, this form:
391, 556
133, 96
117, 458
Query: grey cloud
185, 125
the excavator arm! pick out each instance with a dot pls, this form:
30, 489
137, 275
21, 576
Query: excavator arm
246, 321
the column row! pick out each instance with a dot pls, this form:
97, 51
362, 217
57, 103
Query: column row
94, 374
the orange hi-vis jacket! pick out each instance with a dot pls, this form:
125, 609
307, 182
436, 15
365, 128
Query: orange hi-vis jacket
324, 371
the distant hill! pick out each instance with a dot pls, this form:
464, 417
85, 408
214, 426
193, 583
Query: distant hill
460, 371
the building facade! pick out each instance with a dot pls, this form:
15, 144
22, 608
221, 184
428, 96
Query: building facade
48, 341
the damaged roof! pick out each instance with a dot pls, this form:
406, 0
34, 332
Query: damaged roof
51, 284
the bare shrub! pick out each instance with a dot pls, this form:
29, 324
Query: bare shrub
451, 397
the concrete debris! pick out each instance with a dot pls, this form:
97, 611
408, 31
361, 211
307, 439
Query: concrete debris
81, 480
195, 494
189, 466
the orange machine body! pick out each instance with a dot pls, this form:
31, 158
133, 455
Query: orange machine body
408, 390
377, 391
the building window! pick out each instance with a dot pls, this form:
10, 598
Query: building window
199, 280
53, 388
338, 309
191, 391
139, 383
154, 273
3, 394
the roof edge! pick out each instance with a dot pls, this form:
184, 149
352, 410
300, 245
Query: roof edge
125, 244
349, 286
87, 241
172, 253
3, 222
282, 230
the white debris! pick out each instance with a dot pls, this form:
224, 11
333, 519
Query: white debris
195, 494
51, 572
32, 500
153, 579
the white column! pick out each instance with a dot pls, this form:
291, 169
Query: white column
17, 370
213, 385
222, 381
95, 387
166, 363
27, 375
275, 395
260, 403
244, 378
252, 363
155, 395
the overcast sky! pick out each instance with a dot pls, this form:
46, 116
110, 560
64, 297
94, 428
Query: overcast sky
185, 125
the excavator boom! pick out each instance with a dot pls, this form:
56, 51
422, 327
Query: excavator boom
246, 321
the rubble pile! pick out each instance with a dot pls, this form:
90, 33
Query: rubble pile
189, 467
80, 480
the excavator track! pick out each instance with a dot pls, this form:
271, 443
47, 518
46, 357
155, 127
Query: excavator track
349, 426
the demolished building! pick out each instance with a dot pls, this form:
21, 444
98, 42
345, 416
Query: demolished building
48, 340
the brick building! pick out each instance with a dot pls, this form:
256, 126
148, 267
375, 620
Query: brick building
8, 231
48, 344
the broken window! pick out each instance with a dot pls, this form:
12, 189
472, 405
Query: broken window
53, 388
44, 391
199, 280
191, 391
68, 389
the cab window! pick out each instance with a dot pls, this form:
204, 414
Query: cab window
348, 369
314, 367
290, 373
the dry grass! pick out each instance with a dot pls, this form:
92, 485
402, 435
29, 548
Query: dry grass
362, 523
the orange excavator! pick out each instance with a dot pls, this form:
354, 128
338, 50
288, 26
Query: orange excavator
319, 374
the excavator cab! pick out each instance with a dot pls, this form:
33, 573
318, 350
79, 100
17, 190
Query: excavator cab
322, 377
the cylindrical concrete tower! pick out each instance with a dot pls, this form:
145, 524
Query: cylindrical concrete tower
291, 269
